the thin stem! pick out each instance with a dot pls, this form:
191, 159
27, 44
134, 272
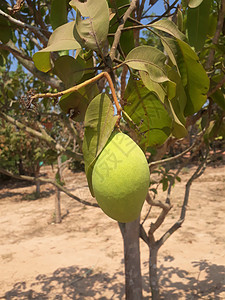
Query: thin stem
198, 172
83, 84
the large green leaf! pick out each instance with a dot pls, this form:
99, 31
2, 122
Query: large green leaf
69, 70
169, 27
198, 24
194, 78
150, 60
99, 123
92, 23
61, 39
172, 95
58, 13
148, 113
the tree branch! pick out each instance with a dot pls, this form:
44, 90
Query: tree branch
53, 82
165, 209
218, 86
120, 27
45, 137
15, 52
21, 24
45, 180
166, 160
199, 171
83, 84
215, 39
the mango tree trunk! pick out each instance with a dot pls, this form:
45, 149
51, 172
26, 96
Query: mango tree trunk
133, 280
153, 276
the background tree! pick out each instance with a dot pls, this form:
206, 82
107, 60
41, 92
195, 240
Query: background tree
170, 87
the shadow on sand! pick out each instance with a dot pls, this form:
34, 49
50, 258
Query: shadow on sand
68, 283
83, 283
178, 282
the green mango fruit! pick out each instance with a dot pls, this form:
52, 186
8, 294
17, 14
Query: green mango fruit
121, 178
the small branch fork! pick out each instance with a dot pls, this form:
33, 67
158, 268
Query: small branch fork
149, 238
83, 84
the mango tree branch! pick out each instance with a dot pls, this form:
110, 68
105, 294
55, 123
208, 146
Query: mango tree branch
216, 37
35, 30
169, 159
46, 180
43, 136
118, 33
198, 172
217, 87
29, 65
14, 52
81, 85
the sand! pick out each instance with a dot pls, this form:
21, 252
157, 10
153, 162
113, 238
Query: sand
82, 258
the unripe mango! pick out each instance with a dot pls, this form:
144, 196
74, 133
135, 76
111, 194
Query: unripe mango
121, 178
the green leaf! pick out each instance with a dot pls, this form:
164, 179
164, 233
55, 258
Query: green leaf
180, 20
198, 24
150, 60
194, 78
61, 39
75, 105
164, 184
178, 128
99, 123
92, 23
212, 25
194, 3
69, 70
176, 103
5, 30
58, 13
148, 113
218, 97
152, 86
169, 27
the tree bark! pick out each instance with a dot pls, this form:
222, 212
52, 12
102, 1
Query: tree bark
153, 276
133, 280
38, 188
58, 218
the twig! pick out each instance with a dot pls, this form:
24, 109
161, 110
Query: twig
77, 87
120, 27
14, 52
218, 86
166, 12
50, 80
21, 24
43, 136
166, 160
199, 171
165, 209
44, 180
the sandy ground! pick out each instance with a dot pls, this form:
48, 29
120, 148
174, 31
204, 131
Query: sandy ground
82, 258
